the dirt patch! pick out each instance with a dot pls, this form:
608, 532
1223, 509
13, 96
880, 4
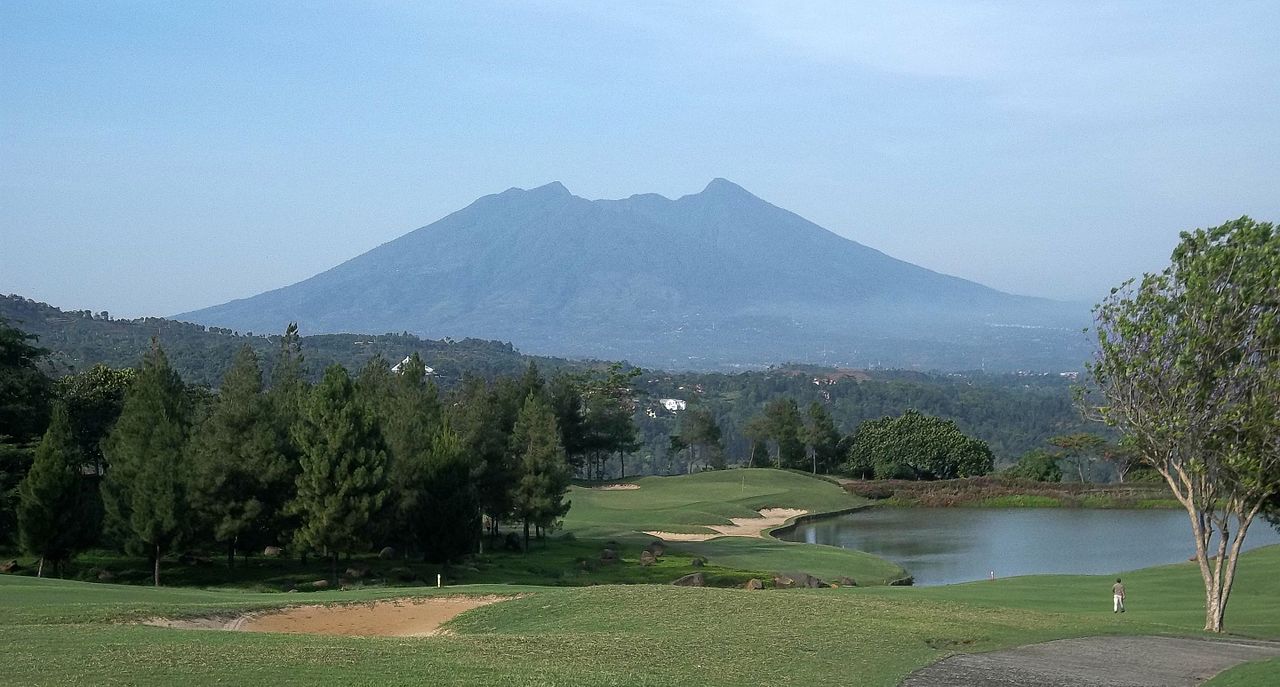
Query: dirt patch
741, 527
1095, 662
617, 487
391, 618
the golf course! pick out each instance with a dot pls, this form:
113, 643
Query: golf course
63, 632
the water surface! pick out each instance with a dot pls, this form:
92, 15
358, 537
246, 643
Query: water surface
947, 545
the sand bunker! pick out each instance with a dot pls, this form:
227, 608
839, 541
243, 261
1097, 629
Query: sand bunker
392, 618
741, 527
617, 487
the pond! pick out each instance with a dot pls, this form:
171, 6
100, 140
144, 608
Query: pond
948, 545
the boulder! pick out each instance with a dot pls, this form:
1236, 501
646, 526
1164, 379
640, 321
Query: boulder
273, 552
698, 561
647, 558
753, 584
358, 572
903, 581
691, 580
319, 584
402, 574
608, 557
657, 548
10, 566
796, 580
106, 576
846, 582
387, 553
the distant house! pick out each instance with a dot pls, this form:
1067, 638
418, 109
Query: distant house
398, 368
674, 405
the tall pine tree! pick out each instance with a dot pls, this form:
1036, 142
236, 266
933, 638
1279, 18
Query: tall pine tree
143, 492
342, 483
240, 463
543, 473
51, 513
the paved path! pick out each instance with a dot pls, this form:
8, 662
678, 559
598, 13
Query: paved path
1095, 662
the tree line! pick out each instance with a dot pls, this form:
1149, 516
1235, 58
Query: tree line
144, 462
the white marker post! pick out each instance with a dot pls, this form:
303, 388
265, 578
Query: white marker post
438, 580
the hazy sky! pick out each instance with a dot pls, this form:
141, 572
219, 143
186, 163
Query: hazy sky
159, 157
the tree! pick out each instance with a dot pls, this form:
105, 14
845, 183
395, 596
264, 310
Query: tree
144, 491
1037, 464
1124, 458
51, 515
342, 484
1080, 451
566, 402
916, 446
609, 417
94, 400
240, 467
485, 434
1188, 369
757, 433
700, 432
24, 412
543, 473
822, 439
786, 429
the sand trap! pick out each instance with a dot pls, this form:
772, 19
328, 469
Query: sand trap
617, 487
741, 527
391, 618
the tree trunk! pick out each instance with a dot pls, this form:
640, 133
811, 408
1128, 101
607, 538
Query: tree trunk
334, 563
155, 573
622, 463
231, 554
526, 535
40, 568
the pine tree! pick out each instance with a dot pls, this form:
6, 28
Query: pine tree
342, 484
822, 438
239, 464
449, 511
410, 418
51, 513
143, 493
481, 418
543, 473
288, 392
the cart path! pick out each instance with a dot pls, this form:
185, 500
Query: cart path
1095, 662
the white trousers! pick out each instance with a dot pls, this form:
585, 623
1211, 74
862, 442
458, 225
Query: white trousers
1117, 603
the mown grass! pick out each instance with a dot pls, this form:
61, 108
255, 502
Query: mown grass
1252, 674
66, 632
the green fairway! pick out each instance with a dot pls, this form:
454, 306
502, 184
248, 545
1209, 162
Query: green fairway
1254, 674
688, 503
66, 632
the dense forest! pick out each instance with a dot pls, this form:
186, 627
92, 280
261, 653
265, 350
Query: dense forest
1012, 413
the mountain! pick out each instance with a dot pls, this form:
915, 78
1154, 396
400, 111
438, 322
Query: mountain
713, 279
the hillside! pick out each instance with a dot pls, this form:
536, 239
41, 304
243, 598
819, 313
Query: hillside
79, 339
717, 278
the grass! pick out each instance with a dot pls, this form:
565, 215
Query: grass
61, 632
1004, 492
1252, 674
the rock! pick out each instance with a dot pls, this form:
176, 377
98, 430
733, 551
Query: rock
273, 552
691, 580
106, 576
647, 558
319, 584
753, 583
387, 553
357, 572
608, 557
657, 548
698, 561
846, 582
402, 574
796, 580
10, 566
903, 581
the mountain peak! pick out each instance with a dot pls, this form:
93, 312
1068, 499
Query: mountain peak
722, 186
554, 188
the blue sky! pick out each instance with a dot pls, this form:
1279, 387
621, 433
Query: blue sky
160, 157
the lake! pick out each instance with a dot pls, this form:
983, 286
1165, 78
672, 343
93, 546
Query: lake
948, 545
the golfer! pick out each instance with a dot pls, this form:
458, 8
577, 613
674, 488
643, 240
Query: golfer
1117, 597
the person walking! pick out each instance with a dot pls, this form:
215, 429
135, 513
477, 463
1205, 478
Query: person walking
1117, 597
